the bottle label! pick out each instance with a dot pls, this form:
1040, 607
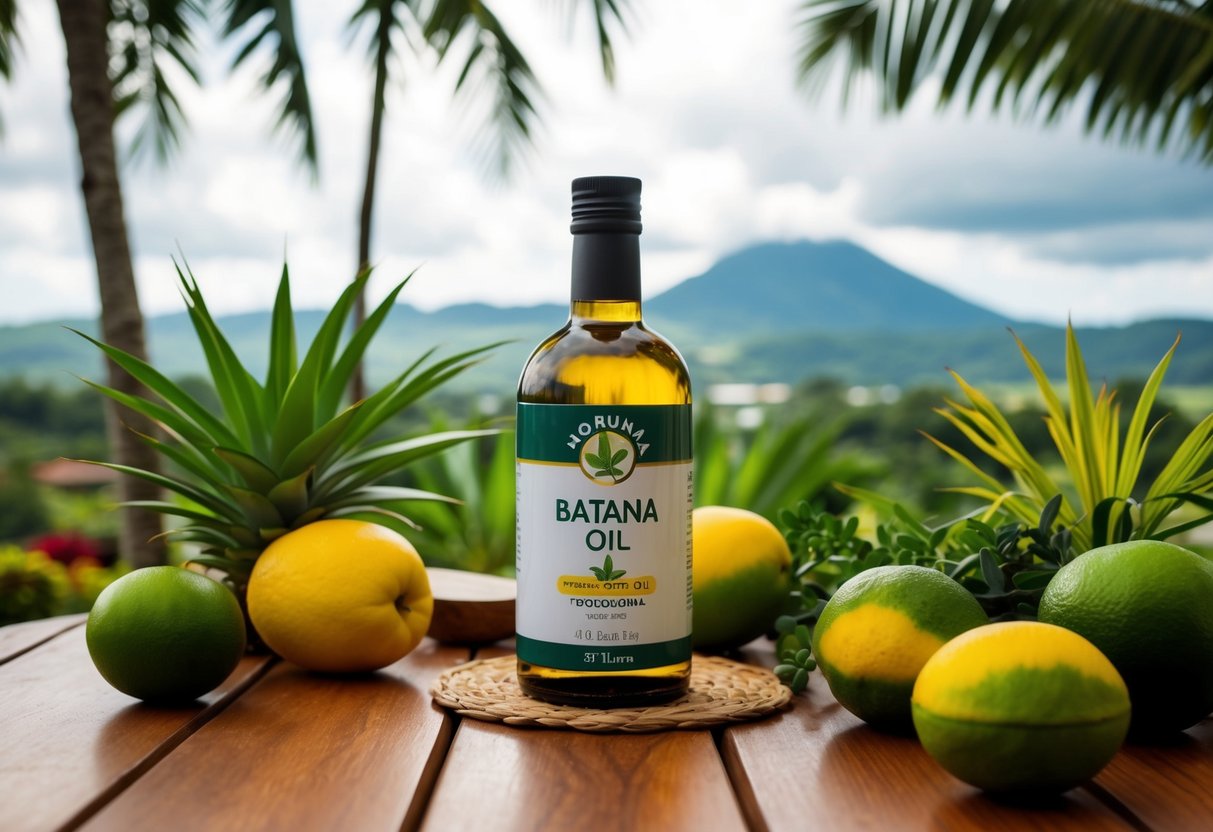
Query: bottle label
604, 535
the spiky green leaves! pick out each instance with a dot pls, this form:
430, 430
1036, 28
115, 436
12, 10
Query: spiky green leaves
1103, 467
283, 452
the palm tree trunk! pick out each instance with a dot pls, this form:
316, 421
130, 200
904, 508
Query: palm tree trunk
383, 36
84, 25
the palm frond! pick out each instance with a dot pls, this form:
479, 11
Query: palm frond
1141, 68
9, 39
272, 22
146, 39
492, 60
608, 15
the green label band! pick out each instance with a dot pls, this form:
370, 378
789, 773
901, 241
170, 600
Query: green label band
597, 657
557, 432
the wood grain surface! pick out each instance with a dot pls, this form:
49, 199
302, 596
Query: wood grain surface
16, 639
1168, 784
71, 741
820, 766
504, 778
303, 751
524, 779
279, 748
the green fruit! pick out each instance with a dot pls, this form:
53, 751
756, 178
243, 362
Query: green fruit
165, 634
741, 576
1148, 606
1021, 706
878, 631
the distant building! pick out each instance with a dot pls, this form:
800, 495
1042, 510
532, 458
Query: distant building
72, 474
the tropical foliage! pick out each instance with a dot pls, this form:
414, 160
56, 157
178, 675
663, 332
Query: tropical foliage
1141, 68
285, 451
789, 459
476, 533
1102, 498
35, 585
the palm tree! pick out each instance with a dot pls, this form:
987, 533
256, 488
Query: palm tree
1144, 68
491, 59
84, 24
117, 51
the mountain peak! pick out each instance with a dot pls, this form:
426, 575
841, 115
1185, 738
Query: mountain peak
809, 286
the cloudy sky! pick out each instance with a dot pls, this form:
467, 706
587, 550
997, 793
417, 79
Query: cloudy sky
1035, 223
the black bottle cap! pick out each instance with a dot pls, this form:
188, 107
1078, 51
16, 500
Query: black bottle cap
606, 204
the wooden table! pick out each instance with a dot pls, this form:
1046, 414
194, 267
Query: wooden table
278, 748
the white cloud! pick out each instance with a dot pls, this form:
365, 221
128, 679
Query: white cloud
1036, 223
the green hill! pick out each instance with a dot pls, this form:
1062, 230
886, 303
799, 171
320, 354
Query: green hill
771, 312
814, 287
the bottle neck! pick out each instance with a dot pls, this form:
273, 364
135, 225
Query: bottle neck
605, 311
606, 267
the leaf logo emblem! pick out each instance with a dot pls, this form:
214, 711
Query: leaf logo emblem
608, 572
608, 457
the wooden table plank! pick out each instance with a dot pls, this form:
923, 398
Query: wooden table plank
503, 778
1168, 785
71, 741
819, 765
303, 751
16, 639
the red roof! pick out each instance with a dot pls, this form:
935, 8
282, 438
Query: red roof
69, 473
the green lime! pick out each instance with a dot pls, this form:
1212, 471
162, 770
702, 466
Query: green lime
165, 634
741, 576
1148, 606
879, 629
1021, 706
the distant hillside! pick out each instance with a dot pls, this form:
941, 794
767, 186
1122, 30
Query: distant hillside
814, 287
771, 312
986, 355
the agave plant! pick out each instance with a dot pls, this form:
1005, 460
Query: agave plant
284, 452
1102, 465
779, 464
477, 535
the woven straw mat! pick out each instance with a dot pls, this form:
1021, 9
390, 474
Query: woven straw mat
722, 691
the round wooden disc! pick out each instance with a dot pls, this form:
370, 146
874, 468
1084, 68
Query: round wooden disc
470, 607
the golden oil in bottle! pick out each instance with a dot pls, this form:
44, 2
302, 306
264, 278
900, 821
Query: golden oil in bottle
604, 481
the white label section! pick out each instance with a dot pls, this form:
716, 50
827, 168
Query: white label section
568, 527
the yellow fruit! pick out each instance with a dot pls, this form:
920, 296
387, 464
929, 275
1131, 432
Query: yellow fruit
879, 629
1021, 706
741, 576
165, 634
340, 596
1148, 606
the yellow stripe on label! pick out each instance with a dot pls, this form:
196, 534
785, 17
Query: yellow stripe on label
589, 586
876, 642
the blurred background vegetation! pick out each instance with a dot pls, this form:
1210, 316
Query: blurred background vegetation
766, 457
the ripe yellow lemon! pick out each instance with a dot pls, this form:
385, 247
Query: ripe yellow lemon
741, 576
1021, 706
340, 596
879, 629
165, 634
1148, 606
